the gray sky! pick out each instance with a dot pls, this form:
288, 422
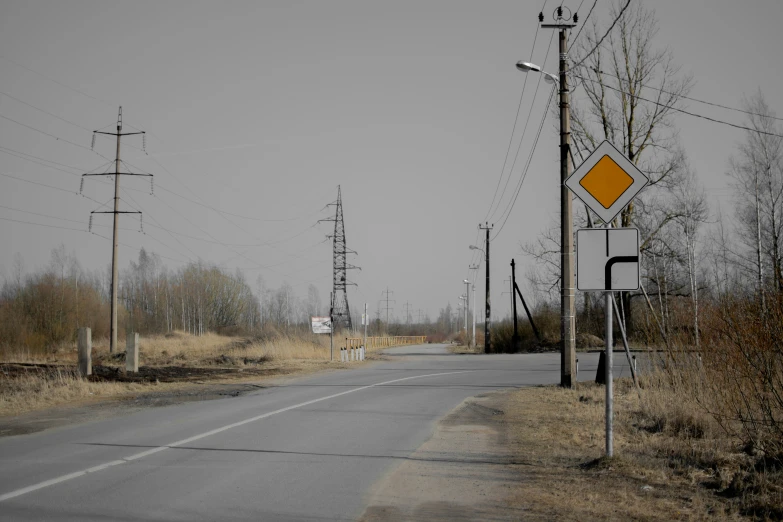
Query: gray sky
260, 109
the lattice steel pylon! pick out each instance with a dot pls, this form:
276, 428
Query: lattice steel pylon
341, 314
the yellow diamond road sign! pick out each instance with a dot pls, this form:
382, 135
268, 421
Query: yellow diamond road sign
606, 181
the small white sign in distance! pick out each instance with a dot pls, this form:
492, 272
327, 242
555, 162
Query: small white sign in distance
606, 181
607, 259
321, 325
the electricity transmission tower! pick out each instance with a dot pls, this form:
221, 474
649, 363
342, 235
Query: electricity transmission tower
407, 314
116, 212
342, 313
388, 292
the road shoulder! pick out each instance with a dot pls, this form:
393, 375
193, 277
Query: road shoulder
536, 454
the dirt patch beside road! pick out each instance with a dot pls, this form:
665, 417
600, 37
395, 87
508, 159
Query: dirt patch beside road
129, 392
534, 454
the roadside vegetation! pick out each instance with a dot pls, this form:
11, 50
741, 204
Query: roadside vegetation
710, 307
34, 380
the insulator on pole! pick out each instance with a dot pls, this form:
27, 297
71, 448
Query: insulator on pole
81, 186
144, 142
92, 147
141, 222
152, 186
89, 228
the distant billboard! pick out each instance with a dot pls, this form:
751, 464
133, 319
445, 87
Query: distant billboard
321, 325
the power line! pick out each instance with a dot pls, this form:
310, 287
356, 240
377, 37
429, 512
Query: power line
585, 57
585, 20
40, 161
714, 120
43, 215
37, 183
47, 134
55, 81
514, 128
42, 224
527, 166
751, 113
45, 111
14, 152
524, 131
23, 155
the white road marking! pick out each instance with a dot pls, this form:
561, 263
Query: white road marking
100, 467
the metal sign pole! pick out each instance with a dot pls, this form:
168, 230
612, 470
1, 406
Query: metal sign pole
366, 320
609, 405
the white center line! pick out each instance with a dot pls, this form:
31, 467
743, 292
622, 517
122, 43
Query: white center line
100, 467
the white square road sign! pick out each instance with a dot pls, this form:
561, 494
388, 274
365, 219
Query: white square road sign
321, 325
607, 259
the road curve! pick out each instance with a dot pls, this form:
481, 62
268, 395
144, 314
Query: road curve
307, 449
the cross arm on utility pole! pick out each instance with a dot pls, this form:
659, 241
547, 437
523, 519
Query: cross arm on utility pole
119, 133
117, 173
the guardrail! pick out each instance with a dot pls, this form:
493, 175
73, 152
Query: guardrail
396, 340
354, 349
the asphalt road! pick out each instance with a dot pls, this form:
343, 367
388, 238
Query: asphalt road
307, 449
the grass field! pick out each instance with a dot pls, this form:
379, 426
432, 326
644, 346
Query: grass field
671, 460
30, 382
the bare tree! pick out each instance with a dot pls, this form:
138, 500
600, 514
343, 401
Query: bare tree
692, 212
757, 171
617, 79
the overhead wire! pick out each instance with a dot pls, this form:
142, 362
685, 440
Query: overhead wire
689, 98
677, 109
52, 135
519, 147
514, 128
512, 200
45, 111
125, 189
586, 56
242, 254
39, 160
585, 20
527, 166
55, 81
223, 213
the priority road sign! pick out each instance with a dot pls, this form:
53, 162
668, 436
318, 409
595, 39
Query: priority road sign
606, 181
607, 259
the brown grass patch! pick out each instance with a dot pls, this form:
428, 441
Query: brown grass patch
671, 462
29, 382
39, 388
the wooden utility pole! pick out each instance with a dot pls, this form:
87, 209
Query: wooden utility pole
567, 293
116, 212
487, 306
515, 335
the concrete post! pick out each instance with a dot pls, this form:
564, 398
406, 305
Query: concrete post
85, 352
132, 352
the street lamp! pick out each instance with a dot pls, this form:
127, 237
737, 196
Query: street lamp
487, 307
567, 308
465, 307
527, 66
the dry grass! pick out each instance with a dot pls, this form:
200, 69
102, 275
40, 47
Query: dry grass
185, 349
271, 353
34, 388
669, 458
44, 388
